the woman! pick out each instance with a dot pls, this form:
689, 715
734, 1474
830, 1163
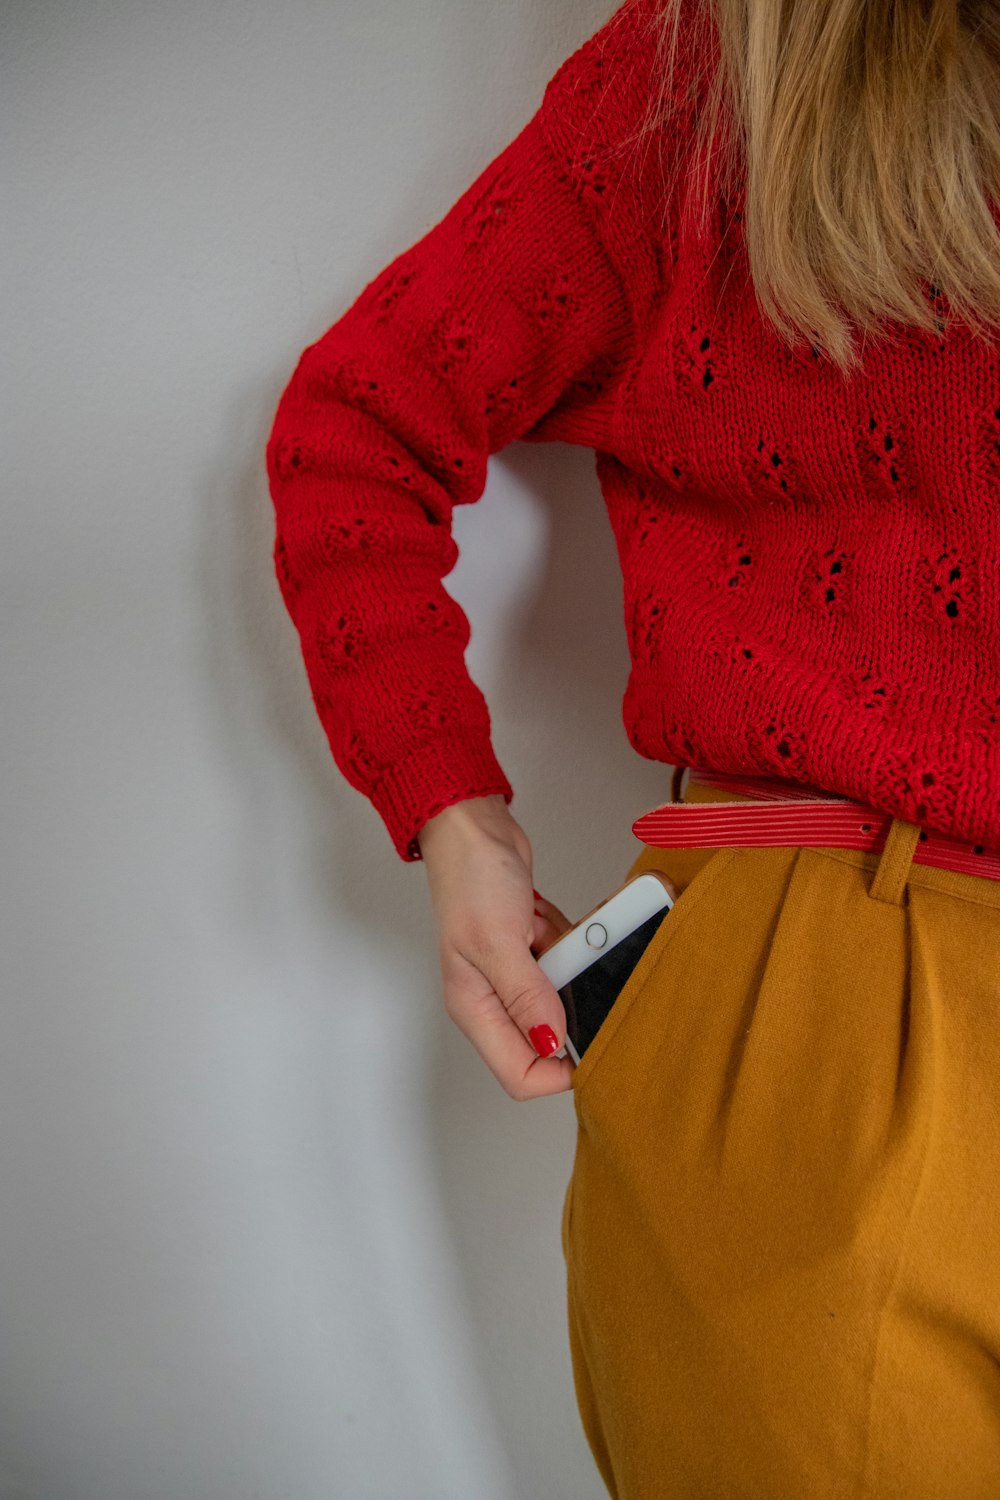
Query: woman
718, 255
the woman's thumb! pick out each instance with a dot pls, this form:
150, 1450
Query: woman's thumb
531, 1000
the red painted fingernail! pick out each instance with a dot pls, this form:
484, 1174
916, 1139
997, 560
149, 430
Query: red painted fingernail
543, 1039
537, 894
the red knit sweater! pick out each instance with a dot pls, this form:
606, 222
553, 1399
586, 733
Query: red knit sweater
811, 564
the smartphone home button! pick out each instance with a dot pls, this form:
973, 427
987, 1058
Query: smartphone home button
596, 935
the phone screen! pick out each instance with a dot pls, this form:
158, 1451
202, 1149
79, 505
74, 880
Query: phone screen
588, 998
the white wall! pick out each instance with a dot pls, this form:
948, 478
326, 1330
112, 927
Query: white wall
268, 1226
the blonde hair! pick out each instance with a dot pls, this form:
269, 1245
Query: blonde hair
863, 139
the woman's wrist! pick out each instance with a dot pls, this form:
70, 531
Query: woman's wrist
470, 815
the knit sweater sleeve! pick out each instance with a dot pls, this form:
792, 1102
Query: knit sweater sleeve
510, 318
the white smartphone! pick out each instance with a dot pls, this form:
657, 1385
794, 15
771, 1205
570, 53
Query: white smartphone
590, 963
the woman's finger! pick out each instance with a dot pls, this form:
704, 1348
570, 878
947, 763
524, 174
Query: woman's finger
497, 999
544, 933
557, 919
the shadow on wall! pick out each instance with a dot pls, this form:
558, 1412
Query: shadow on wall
500, 1167
578, 784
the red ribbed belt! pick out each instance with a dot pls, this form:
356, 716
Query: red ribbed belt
812, 817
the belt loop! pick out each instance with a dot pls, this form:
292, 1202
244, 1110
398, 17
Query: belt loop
890, 877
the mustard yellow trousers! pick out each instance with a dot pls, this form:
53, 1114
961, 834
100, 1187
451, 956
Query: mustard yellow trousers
782, 1226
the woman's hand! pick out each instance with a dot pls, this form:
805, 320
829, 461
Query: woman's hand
489, 924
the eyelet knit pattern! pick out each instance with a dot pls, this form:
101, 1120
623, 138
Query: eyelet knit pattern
811, 565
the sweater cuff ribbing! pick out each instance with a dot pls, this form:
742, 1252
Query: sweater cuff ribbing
432, 778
